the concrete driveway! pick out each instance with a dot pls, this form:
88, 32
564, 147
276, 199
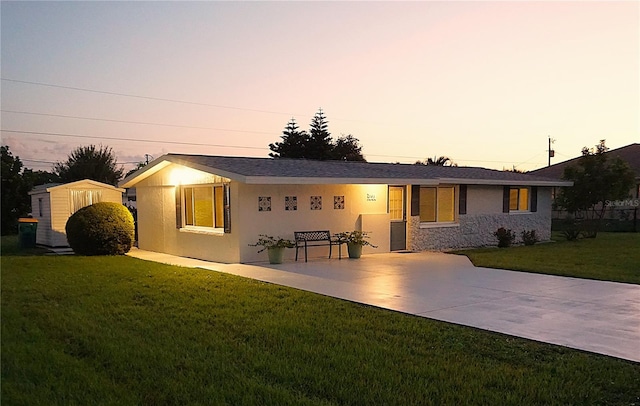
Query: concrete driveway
600, 317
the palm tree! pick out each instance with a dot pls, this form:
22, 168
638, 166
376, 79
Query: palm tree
440, 161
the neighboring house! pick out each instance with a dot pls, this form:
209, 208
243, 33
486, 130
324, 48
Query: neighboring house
52, 205
213, 207
630, 154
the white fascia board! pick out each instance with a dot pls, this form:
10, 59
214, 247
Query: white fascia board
101, 185
550, 183
207, 169
287, 180
84, 181
38, 192
143, 173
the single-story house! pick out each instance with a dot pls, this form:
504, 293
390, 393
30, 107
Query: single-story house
629, 154
213, 207
52, 205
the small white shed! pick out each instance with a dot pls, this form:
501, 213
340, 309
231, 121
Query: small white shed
52, 205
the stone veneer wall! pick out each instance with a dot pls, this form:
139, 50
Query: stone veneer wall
476, 231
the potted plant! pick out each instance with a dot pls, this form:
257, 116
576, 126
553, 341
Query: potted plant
275, 247
355, 240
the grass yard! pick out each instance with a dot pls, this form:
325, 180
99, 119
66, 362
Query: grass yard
609, 257
121, 331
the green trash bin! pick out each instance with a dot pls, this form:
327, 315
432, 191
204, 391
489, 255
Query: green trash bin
27, 228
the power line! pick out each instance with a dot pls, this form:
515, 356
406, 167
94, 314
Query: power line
222, 146
132, 122
36, 160
455, 159
82, 89
52, 162
527, 161
129, 139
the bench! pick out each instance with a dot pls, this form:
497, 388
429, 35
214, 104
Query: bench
314, 239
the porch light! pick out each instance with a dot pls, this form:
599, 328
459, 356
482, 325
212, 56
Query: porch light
180, 175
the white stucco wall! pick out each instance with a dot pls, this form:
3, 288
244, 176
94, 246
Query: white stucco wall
358, 200
157, 229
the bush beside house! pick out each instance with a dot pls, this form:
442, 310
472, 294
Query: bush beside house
103, 228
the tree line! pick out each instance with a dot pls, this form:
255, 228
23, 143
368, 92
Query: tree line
317, 143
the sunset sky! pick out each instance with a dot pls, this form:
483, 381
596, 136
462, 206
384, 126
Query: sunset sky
484, 83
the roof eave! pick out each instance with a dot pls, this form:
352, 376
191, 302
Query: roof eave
143, 173
289, 180
504, 182
208, 169
66, 185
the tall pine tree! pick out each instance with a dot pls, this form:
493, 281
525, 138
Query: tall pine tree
320, 142
293, 145
317, 144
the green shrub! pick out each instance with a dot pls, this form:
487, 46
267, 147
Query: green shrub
571, 229
529, 237
505, 237
101, 229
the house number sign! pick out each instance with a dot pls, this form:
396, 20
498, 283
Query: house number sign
371, 197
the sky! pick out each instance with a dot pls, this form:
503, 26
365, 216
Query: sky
483, 83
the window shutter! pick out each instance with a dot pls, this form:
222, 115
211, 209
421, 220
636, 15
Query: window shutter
462, 205
227, 209
415, 200
506, 190
534, 199
178, 206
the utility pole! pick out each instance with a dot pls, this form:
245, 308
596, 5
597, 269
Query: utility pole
552, 153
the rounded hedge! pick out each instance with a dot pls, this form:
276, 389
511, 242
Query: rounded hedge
101, 229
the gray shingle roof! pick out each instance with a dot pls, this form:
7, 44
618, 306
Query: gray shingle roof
249, 169
302, 171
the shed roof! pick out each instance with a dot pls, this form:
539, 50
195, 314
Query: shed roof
48, 187
303, 171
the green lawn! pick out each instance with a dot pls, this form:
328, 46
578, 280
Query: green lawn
609, 257
121, 331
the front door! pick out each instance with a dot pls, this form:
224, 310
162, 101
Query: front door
398, 215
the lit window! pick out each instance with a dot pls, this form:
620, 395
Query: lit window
437, 204
396, 203
519, 199
203, 206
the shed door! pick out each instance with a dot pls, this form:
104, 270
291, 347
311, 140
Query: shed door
398, 215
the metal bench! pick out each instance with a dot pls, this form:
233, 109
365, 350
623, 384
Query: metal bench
314, 239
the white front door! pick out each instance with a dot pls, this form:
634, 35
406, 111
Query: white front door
398, 216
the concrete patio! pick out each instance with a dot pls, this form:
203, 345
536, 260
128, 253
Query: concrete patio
595, 316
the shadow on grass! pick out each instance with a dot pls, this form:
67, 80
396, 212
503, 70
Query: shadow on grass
9, 247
